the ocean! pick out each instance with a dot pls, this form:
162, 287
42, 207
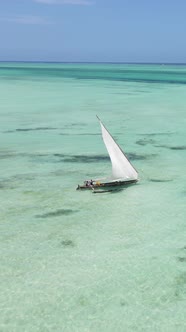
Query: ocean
75, 261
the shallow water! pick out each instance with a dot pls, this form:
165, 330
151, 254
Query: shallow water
71, 260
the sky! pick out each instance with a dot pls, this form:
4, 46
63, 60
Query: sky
93, 30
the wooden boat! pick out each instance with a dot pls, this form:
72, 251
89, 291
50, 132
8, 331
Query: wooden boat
123, 173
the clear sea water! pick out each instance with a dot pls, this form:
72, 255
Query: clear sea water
80, 262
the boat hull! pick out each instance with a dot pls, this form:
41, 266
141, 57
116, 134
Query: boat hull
103, 185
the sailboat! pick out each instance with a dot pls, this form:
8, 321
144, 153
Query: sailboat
123, 172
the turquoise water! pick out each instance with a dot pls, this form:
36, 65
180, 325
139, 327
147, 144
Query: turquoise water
77, 261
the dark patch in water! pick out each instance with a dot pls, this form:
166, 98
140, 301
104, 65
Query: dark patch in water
123, 303
76, 124
57, 213
7, 184
2, 185
116, 73
40, 155
182, 259
37, 128
157, 134
68, 243
99, 158
181, 279
61, 155
159, 180
7, 155
83, 134
135, 156
83, 301
23, 155
86, 159
145, 141
30, 129
181, 285
179, 148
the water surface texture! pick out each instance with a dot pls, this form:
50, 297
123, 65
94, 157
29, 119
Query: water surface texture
80, 262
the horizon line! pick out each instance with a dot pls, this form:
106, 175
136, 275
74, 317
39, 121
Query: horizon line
93, 62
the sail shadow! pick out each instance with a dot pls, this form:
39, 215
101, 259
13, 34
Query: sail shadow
110, 191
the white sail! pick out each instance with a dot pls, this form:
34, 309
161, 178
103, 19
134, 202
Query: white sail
121, 167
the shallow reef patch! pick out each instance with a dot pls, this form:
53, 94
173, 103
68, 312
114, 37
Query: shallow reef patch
68, 243
180, 291
181, 259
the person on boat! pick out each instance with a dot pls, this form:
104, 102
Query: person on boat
89, 183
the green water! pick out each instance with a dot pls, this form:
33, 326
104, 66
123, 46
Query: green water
77, 261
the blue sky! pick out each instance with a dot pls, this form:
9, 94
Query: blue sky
93, 30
